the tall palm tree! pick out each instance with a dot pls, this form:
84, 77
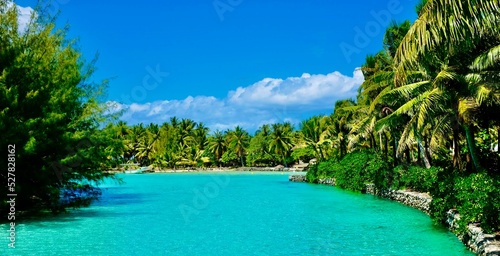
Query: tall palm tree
280, 140
435, 48
174, 122
199, 136
446, 23
136, 142
339, 130
147, 146
314, 132
239, 141
258, 149
217, 145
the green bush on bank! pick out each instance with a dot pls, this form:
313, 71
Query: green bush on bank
478, 201
358, 168
322, 170
476, 196
353, 171
415, 177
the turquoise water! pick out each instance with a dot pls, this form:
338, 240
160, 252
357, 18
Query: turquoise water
233, 214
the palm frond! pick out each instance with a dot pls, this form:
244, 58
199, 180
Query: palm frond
487, 59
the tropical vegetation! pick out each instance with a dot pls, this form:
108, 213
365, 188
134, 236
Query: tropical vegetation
431, 97
50, 116
426, 118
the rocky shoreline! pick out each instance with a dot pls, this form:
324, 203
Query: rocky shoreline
475, 239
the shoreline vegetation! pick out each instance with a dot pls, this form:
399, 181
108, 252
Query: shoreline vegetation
426, 119
219, 169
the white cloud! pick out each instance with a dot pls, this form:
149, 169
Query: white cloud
267, 101
134, 107
24, 15
307, 90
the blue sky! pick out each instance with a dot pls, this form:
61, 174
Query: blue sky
228, 62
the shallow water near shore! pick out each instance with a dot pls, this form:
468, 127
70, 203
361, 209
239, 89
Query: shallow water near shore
232, 214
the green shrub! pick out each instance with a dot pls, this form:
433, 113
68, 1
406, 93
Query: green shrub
382, 175
358, 168
416, 177
312, 173
326, 169
321, 170
443, 195
478, 197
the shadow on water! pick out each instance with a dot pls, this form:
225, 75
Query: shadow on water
111, 197
122, 198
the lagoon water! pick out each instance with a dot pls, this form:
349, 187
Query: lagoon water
232, 214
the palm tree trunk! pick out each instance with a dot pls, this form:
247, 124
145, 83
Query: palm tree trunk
425, 156
408, 157
342, 148
386, 147
471, 143
380, 141
498, 139
395, 151
373, 143
341, 153
456, 147
321, 154
419, 152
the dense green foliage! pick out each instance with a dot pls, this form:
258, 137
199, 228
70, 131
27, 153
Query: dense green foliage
50, 115
415, 177
185, 143
476, 196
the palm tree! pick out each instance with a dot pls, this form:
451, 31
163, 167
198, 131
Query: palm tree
280, 140
446, 23
174, 122
147, 146
484, 77
136, 142
217, 145
314, 132
340, 129
378, 72
435, 48
199, 136
198, 140
264, 132
258, 150
239, 141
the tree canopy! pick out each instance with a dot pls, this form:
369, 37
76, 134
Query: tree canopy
50, 112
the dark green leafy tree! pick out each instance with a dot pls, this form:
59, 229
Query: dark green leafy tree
51, 112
